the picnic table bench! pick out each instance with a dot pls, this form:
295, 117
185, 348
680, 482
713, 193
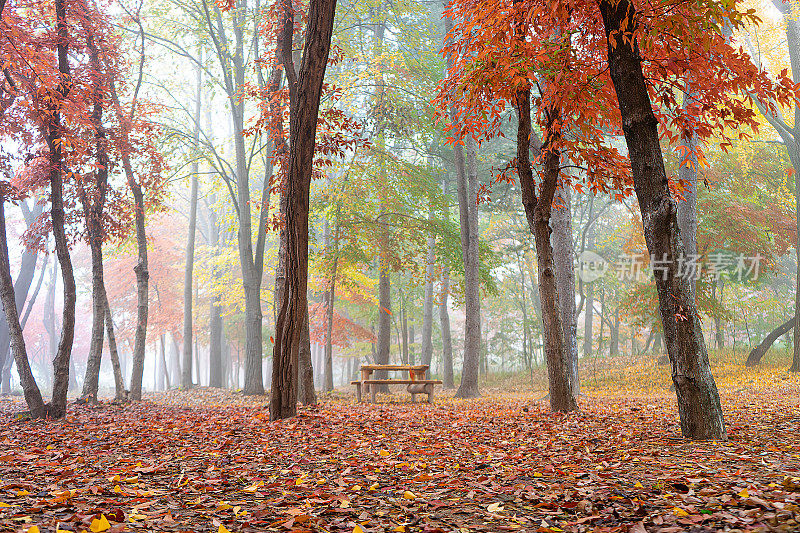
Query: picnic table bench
415, 382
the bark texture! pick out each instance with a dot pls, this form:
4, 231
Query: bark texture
537, 211
58, 405
307, 90
563, 257
698, 400
33, 396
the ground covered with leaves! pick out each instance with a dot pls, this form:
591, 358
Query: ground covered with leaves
209, 461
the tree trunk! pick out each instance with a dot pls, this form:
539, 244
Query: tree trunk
330, 300
588, 320
687, 209
164, 365
307, 89
93, 205
537, 211
444, 312
613, 348
468, 210
757, 353
561, 227
306, 393
384, 316
404, 328
33, 396
427, 305
698, 400
186, 371
22, 285
120, 394
92, 376
215, 367
58, 404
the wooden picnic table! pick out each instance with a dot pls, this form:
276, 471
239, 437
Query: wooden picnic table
415, 382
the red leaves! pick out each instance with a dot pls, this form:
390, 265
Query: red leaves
208, 458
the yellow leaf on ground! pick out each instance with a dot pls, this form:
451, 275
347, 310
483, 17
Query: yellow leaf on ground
22, 492
253, 487
100, 524
2, 504
117, 489
743, 494
639, 485
400, 529
408, 495
114, 479
33, 529
384, 453
358, 529
223, 529
679, 512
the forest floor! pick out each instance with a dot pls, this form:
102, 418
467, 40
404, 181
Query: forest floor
210, 461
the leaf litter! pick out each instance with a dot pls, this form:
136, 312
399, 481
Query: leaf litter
211, 461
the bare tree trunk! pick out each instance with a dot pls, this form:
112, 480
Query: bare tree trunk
305, 92
215, 367
563, 258
22, 285
305, 392
444, 313
687, 209
58, 405
537, 211
186, 371
33, 397
93, 205
613, 349
757, 353
698, 400
120, 394
468, 209
427, 306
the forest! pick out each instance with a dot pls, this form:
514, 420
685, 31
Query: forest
227, 225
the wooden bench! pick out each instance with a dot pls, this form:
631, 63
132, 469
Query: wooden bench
415, 383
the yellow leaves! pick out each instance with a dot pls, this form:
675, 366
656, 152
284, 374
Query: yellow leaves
223, 529
136, 516
223, 506
3, 504
677, 511
300, 480
254, 487
115, 479
358, 529
33, 529
638, 485
117, 489
400, 529
100, 524
537, 474
384, 453
408, 495
743, 493
494, 507
22, 492
374, 486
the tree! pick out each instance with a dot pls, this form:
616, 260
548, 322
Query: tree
529, 39
186, 376
305, 94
